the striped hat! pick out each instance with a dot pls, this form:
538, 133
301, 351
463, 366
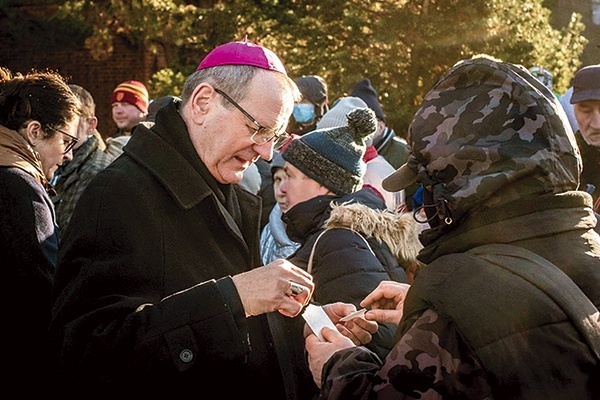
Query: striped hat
334, 156
132, 92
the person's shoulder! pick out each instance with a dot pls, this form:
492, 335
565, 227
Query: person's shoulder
366, 197
101, 159
19, 189
114, 145
14, 178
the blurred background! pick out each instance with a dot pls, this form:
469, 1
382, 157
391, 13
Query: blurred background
403, 46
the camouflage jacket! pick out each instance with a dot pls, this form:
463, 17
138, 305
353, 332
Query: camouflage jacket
433, 358
491, 149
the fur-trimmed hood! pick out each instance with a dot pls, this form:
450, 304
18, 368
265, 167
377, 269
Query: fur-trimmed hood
399, 231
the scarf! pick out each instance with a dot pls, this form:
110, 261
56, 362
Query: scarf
15, 151
370, 154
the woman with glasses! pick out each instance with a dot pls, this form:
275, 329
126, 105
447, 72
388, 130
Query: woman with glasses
38, 117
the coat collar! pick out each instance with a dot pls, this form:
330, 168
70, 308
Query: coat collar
167, 152
167, 165
522, 220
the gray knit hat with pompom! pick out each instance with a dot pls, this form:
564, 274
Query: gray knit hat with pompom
334, 157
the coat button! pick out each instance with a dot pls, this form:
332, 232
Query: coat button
186, 355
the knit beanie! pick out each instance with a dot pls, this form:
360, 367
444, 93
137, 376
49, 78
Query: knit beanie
336, 116
314, 89
132, 92
368, 94
334, 157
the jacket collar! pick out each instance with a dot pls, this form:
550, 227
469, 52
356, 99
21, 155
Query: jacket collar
170, 161
521, 220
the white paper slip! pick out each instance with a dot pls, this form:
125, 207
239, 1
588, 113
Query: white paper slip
317, 319
355, 314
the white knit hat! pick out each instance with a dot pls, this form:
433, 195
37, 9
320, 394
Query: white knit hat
336, 116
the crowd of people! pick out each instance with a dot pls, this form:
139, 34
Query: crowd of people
179, 254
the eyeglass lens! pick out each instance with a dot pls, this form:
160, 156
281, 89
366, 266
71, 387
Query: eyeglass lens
263, 134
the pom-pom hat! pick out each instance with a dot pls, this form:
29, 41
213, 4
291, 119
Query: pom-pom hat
334, 157
132, 92
242, 53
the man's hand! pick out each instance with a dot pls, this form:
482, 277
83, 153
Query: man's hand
278, 286
386, 302
320, 352
359, 330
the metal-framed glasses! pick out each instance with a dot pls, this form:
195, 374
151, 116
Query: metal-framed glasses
262, 134
69, 144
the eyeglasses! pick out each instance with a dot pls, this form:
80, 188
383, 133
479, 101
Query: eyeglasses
262, 134
69, 144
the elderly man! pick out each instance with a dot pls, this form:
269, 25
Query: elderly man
586, 105
160, 292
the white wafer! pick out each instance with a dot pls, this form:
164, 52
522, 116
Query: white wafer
356, 314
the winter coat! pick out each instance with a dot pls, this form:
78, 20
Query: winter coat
377, 170
591, 167
74, 176
519, 343
29, 248
344, 268
499, 168
144, 303
395, 151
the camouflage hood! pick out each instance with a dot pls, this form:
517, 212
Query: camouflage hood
488, 133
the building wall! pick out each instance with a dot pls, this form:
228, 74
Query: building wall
99, 77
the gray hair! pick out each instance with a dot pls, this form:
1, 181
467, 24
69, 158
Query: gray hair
234, 80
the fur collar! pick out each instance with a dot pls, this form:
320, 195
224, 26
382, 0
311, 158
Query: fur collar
399, 231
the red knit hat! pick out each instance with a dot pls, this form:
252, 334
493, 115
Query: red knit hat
242, 53
132, 92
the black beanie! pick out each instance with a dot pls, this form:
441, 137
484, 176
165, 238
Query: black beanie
334, 157
314, 89
368, 94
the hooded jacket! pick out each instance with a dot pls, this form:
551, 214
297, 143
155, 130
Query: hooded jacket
493, 152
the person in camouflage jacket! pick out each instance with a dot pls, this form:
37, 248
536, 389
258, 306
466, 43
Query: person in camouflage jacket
499, 171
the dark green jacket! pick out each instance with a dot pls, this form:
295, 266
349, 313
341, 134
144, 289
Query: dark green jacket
527, 344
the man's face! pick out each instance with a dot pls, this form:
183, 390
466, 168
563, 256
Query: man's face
298, 187
280, 176
126, 116
222, 135
587, 114
85, 129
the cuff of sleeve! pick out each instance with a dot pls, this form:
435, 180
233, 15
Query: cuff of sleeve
229, 291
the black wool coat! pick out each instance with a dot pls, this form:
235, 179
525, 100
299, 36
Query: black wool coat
144, 303
28, 247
